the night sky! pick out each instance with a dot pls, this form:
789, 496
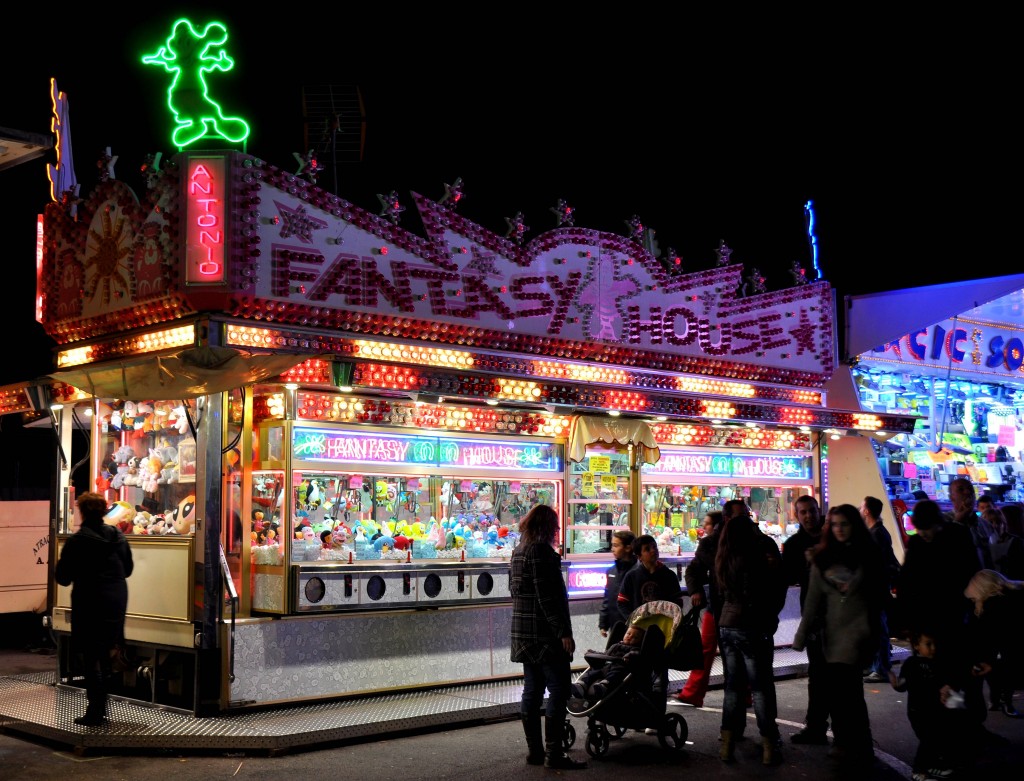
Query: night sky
704, 132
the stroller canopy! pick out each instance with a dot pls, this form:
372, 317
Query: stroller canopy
660, 613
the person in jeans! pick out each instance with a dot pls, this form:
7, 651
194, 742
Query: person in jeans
541, 637
796, 564
871, 512
748, 569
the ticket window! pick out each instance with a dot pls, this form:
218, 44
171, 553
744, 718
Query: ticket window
599, 499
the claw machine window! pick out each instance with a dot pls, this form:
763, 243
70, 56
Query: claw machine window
269, 525
684, 486
480, 516
599, 499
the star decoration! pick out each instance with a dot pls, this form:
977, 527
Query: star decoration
151, 169
516, 228
803, 333
636, 228
482, 264
564, 214
754, 284
452, 193
295, 222
798, 274
309, 166
106, 165
69, 200
392, 208
723, 253
674, 258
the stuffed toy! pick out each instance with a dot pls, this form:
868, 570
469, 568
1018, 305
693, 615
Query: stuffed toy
183, 517
177, 418
150, 470
121, 458
483, 502
119, 511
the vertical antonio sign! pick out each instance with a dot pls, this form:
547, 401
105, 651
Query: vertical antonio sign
205, 229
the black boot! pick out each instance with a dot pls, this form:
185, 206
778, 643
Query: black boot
534, 738
555, 756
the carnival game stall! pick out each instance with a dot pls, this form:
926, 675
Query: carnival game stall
320, 428
952, 355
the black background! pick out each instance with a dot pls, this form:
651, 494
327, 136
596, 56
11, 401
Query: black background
900, 130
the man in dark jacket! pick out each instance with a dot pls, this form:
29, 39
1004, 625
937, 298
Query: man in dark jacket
796, 565
871, 512
95, 562
649, 580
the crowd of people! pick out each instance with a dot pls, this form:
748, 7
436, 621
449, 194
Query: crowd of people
957, 597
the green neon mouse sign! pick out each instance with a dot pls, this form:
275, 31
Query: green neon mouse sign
189, 55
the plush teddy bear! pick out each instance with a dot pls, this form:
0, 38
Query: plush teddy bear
121, 457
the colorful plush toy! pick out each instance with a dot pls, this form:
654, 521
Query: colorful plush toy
183, 517
119, 511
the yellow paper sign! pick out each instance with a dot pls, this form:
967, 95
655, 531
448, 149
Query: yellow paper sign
600, 464
609, 484
587, 484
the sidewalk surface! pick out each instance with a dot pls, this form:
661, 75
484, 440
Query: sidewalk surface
495, 750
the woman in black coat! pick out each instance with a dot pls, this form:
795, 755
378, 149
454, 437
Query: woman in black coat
541, 637
96, 562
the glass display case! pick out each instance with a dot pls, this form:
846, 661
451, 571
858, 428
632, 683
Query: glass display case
371, 516
684, 486
147, 468
599, 499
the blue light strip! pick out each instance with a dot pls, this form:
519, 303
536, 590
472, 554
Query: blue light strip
809, 213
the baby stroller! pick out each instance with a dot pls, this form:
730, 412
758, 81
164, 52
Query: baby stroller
638, 701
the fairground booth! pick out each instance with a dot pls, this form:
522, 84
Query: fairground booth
319, 425
952, 356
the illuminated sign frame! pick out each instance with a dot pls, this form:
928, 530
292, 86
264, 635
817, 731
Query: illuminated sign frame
762, 467
315, 444
205, 220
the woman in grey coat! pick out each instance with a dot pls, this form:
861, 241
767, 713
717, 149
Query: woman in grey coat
846, 591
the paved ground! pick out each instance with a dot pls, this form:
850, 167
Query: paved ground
495, 751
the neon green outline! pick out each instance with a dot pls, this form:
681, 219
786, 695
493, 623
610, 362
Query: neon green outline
190, 56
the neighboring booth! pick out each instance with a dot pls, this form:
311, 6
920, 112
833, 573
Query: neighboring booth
320, 430
952, 355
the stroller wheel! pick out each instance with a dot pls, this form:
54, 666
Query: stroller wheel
597, 742
568, 735
673, 732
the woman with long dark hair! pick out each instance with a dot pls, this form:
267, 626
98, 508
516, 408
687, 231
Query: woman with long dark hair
846, 593
752, 589
541, 637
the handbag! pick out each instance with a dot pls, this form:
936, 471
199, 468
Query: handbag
686, 651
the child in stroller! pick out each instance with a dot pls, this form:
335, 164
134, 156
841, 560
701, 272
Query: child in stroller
609, 668
635, 694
